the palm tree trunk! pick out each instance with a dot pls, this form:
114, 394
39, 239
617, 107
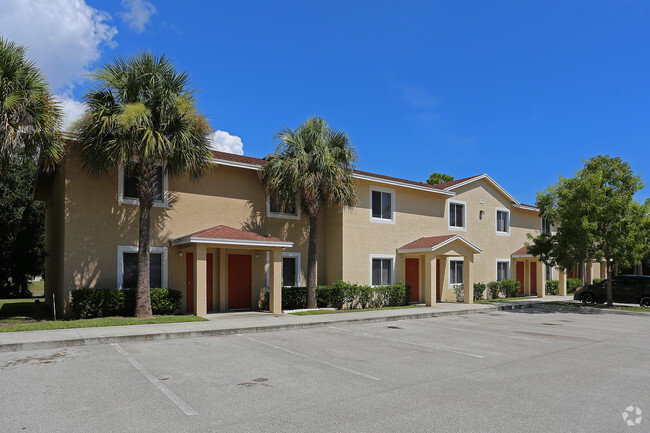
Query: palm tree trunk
311, 262
146, 192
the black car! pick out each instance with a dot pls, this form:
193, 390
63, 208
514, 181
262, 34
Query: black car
626, 289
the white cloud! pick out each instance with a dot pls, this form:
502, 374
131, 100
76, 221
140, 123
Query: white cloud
64, 37
224, 142
72, 109
137, 13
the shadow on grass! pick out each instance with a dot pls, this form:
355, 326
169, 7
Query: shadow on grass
21, 310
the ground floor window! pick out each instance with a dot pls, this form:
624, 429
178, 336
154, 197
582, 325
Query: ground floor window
290, 269
381, 271
549, 272
456, 272
503, 270
127, 267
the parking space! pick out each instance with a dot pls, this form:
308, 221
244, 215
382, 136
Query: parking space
531, 370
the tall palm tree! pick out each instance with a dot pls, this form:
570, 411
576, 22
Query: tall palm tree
141, 114
30, 119
313, 166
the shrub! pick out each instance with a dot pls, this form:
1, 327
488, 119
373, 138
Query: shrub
91, 303
572, 284
294, 298
552, 287
479, 290
494, 288
459, 291
509, 288
347, 295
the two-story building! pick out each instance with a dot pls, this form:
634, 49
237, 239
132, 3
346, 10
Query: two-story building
225, 244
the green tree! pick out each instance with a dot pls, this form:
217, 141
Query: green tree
596, 217
313, 166
437, 178
30, 119
141, 114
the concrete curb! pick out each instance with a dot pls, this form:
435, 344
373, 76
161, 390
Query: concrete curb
588, 310
160, 336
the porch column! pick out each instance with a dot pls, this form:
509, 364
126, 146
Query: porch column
527, 282
200, 281
429, 263
275, 289
223, 289
444, 276
468, 283
562, 284
541, 290
590, 267
603, 270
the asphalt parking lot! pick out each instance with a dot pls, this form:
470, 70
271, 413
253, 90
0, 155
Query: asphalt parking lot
525, 370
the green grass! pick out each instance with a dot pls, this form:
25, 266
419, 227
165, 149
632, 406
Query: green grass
518, 298
637, 308
317, 312
27, 315
37, 288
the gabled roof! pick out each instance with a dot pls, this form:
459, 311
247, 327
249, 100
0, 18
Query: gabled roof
521, 252
450, 186
222, 234
433, 243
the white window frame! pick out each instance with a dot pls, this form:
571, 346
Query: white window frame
455, 259
297, 276
508, 273
134, 249
448, 214
129, 200
288, 216
496, 221
392, 205
392, 267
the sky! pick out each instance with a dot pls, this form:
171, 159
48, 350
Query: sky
521, 90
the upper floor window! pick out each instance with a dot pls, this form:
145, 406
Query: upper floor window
457, 215
275, 209
547, 227
503, 221
128, 187
382, 205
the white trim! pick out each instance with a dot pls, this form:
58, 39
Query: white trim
283, 215
496, 221
508, 273
298, 268
392, 270
402, 184
447, 214
134, 249
390, 191
455, 259
128, 200
525, 207
236, 164
490, 180
440, 245
199, 240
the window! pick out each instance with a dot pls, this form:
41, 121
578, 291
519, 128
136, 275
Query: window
503, 221
457, 215
382, 205
503, 270
381, 270
546, 226
290, 269
549, 272
275, 209
128, 187
455, 272
127, 267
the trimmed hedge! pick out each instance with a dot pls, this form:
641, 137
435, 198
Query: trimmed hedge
479, 290
553, 287
573, 284
342, 295
92, 303
508, 288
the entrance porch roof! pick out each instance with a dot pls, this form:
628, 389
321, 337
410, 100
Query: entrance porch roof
522, 253
226, 235
433, 243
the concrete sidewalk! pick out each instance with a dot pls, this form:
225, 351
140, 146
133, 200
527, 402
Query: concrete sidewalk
240, 322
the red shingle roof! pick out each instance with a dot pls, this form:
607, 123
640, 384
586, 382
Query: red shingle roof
429, 242
237, 158
397, 179
225, 232
521, 251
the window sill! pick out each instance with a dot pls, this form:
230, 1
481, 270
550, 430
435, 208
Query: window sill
382, 220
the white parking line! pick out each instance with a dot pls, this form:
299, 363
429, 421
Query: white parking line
536, 340
329, 364
444, 349
186, 408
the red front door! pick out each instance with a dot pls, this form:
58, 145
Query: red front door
520, 276
209, 282
189, 278
533, 278
438, 280
413, 278
239, 281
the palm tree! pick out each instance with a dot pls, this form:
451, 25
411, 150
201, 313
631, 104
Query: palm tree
313, 166
142, 115
30, 119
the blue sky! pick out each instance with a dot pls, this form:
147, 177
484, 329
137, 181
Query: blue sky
522, 90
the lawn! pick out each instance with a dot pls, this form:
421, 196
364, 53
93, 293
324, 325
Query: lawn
29, 315
37, 288
637, 308
518, 298
317, 312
